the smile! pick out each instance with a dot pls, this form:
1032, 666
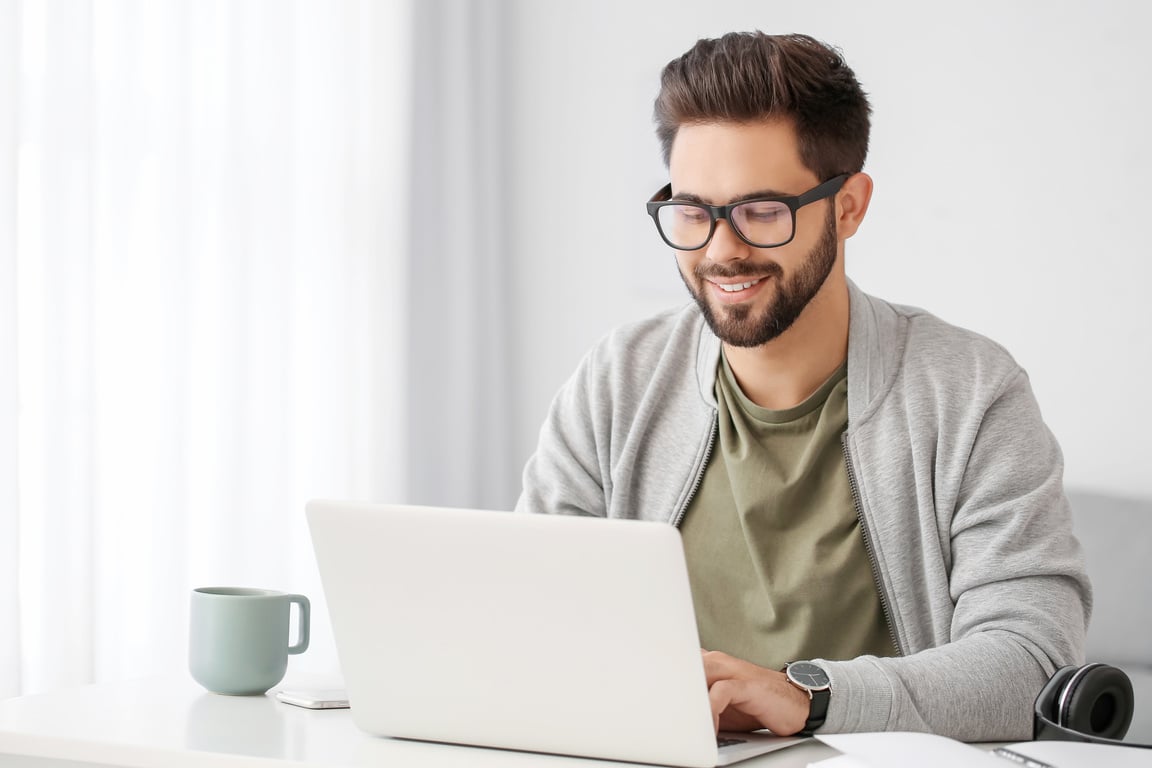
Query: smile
734, 287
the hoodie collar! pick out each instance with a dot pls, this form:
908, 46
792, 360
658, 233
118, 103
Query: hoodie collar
874, 351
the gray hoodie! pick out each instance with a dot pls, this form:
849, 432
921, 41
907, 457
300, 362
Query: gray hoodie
958, 485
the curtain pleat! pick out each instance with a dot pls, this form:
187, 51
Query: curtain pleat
10, 619
461, 278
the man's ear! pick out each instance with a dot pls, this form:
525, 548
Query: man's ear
852, 203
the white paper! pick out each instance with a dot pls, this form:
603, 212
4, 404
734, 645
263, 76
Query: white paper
916, 750
911, 750
1078, 754
840, 761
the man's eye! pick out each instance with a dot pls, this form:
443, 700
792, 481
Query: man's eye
690, 215
763, 214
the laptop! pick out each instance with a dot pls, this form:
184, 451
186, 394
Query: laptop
543, 633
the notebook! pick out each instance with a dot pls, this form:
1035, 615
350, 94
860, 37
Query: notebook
555, 634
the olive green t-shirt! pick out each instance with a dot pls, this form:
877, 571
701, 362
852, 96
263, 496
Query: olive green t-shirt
776, 558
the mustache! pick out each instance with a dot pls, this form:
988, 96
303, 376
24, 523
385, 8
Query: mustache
707, 271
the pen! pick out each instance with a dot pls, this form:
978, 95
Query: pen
1016, 757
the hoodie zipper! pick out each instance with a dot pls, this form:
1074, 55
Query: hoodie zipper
884, 603
700, 474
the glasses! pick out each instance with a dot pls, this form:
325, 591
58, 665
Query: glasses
766, 222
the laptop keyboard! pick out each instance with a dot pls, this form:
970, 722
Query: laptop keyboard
726, 742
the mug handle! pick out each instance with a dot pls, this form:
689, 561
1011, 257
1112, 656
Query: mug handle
301, 624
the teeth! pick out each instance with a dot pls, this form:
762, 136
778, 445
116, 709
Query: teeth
738, 286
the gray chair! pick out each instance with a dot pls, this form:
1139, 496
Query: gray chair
1116, 532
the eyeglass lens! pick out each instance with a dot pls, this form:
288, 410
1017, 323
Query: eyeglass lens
761, 222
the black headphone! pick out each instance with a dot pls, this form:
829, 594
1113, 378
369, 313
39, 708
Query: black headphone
1092, 703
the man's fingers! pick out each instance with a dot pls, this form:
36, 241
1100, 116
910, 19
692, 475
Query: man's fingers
745, 697
743, 704
719, 696
728, 698
721, 666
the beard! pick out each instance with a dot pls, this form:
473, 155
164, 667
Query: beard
739, 325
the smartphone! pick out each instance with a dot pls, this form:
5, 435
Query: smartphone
330, 698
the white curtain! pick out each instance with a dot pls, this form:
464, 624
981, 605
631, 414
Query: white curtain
460, 373
203, 310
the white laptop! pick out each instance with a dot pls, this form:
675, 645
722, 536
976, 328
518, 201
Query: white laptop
556, 634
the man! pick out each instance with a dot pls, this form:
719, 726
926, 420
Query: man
860, 486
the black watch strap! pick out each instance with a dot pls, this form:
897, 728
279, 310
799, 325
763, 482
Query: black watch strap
818, 711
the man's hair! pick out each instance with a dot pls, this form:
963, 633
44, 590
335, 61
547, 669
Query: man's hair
746, 77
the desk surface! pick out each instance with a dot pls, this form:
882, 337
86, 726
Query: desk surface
172, 722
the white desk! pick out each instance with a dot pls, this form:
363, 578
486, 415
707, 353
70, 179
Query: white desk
174, 723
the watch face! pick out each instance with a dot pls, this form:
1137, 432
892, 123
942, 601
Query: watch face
808, 675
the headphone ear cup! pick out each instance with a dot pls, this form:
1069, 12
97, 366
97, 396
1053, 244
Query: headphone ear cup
1098, 702
1047, 702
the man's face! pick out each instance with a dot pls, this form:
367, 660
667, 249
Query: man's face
719, 163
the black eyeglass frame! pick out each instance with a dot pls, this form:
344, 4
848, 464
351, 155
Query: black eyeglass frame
715, 212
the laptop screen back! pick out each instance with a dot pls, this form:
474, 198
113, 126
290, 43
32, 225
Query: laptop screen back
545, 633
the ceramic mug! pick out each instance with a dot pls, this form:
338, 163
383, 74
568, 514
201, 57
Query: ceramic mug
239, 638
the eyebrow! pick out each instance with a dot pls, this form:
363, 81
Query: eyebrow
688, 197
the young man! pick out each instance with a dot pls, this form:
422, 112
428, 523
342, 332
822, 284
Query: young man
861, 487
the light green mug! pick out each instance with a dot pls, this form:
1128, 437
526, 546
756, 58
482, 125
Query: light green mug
238, 638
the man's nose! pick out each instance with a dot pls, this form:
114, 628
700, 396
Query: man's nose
726, 245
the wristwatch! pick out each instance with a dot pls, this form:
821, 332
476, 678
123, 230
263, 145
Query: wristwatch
814, 681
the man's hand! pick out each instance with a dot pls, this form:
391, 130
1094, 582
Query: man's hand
746, 697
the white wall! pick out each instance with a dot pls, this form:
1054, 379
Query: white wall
1012, 165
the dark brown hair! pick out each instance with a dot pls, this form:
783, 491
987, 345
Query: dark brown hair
749, 76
